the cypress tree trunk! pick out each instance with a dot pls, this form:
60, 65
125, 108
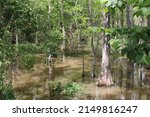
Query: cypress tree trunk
105, 77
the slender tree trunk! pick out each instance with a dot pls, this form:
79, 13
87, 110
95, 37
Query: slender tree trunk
129, 21
92, 39
148, 21
78, 27
118, 19
51, 63
122, 17
63, 28
121, 76
14, 65
36, 37
49, 8
36, 33
78, 34
71, 37
105, 77
113, 18
17, 53
142, 21
49, 14
130, 64
79, 39
17, 40
131, 15
93, 58
90, 11
83, 72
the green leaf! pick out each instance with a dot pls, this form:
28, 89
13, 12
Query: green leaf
145, 11
132, 1
120, 3
115, 43
105, 10
109, 3
103, 1
146, 59
138, 58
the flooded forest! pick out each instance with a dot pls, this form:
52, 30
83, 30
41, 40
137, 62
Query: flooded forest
74, 49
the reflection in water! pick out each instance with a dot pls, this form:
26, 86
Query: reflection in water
121, 77
131, 82
1, 95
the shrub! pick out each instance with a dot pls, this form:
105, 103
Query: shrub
72, 88
27, 48
28, 61
69, 89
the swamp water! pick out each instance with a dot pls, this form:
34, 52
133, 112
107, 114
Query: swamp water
128, 85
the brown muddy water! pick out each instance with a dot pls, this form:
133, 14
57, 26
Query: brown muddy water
129, 83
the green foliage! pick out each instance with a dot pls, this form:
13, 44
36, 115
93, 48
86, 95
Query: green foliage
7, 91
114, 3
93, 30
27, 61
6, 56
72, 88
58, 88
41, 21
69, 89
141, 7
146, 59
116, 43
135, 44
27, 48
52, 42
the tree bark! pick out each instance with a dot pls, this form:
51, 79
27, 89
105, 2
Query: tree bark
36, 33
148, 21
113, 18
141, 21
92, 39
105, 77
83, 72
51, 64
63, 29
122, 17
71, 37
128, 16
118, 19
93, 58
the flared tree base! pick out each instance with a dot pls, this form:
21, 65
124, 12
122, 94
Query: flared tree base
104, 81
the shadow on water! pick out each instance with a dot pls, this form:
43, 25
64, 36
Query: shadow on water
132, 82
